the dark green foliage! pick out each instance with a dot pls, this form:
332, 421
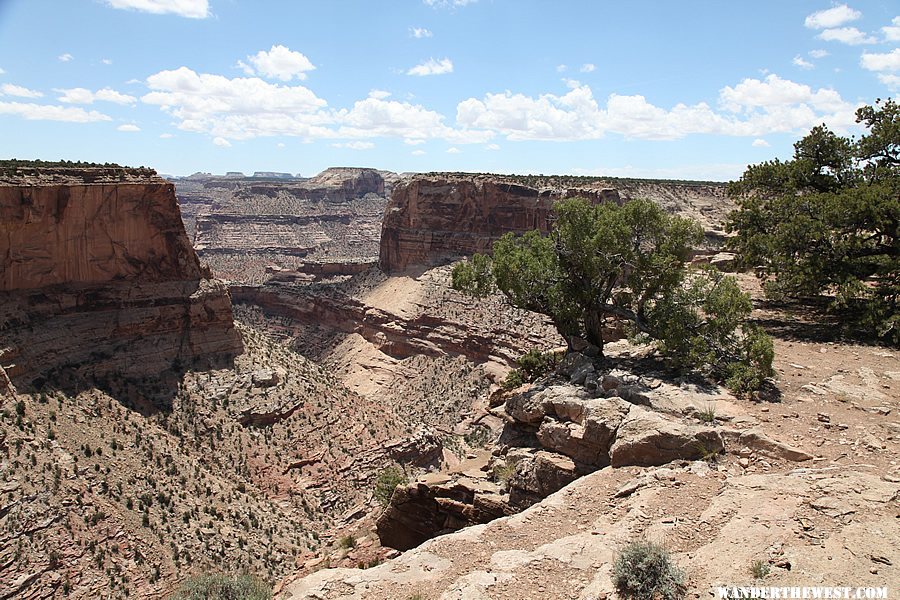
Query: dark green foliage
533, 365
386, 482
645, 571
76, 164
223, 587
15, 167
828, 221
475, 278
628, 263
513, 380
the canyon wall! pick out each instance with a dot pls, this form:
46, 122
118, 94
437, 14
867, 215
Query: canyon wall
102, 255
244, 227
431, 218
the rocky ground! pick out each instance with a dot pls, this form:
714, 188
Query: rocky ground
830, 520
124, 487
129, 487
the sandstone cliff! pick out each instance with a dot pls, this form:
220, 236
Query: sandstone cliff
104, 258
431, 218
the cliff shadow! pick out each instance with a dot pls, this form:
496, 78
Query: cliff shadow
147, 395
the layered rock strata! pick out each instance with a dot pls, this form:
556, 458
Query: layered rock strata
245, 227
104, 258
430, 219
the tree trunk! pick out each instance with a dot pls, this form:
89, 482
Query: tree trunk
593, 326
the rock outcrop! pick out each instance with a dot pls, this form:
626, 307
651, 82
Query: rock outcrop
420, 511
565, 546
104, 258
430, 219
581, 419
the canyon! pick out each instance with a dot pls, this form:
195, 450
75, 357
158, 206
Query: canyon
243, 226
240, 367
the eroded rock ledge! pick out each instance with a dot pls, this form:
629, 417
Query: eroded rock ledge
104, 258
573, 424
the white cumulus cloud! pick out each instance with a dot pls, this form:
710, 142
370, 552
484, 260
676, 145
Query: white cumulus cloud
221, 142
280, 62
166, 136
751, 108
832, 17
128, 127
799, 61
192, 9
420, 32
238, 108
588, 68
418, 153
889, 61
86, 96
760, 143
448, 3
892, 31
249, 107
847, 35
454, 150
355, 145
9, 89
65, 57
891, 81
818, 53
432, 67
46, 112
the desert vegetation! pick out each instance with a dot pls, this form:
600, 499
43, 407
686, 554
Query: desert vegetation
603, 262
827, 222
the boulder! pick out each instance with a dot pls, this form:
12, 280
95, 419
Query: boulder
583, 430
647, 439
420, 511
760, 442
541, 475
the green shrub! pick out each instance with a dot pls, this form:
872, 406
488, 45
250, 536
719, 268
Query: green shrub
645, 571
533, 365
708, 414
504, 473
513, 380
223, 587
348, 542
386, 482
825, 221
759, 569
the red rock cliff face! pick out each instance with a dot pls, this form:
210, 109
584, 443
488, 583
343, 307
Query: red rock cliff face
92, 234
432, 218
100, 277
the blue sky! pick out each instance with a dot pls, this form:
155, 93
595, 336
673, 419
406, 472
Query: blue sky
694, 89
